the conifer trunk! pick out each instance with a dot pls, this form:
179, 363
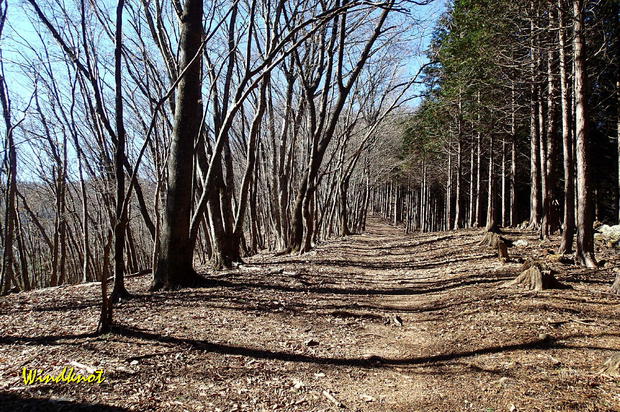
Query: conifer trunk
585, 232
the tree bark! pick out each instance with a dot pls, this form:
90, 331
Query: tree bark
175, 263
471, 185
449, 191
551, 217
120, 225
585, 232
7, 276
504, 214
535, 175
568, 228
513, 162
459, 168
478, 220
492, 225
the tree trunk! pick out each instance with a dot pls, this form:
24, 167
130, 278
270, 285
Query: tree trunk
513, 162
449, 192
551, 217
24, 272
120, 225
491, 201
249, 171
175, 265
457, 207
7, 276
535, 176
585, 232
471, 186
220, 256
478, 220
343, 188
504, 214
568, 231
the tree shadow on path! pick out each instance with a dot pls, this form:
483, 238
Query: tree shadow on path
374, 361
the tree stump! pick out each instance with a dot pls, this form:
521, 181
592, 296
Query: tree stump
536, 276
490, 239
502, 251
493, 240
612, 366
615, 287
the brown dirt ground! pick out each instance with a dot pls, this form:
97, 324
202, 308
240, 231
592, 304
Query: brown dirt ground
280, 332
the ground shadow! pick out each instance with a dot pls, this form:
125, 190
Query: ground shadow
384, 265
258, 353
369, 362
431, 287
17, 402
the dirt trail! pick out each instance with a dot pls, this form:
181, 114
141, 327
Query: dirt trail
380, 322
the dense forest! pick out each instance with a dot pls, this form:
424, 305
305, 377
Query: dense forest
522, 99
182, 140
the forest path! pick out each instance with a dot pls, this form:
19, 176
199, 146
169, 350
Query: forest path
380, 321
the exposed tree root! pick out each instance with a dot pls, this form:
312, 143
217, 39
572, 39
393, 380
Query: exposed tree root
190, 279
533, 225
283, 252
536, 276
120, 294
523, 225
585, 259
490, 239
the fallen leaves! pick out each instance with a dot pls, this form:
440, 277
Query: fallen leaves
376, 322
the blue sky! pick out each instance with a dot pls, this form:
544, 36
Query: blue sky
20, 29
20, 26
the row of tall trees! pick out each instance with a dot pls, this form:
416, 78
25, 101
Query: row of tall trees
520, 122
